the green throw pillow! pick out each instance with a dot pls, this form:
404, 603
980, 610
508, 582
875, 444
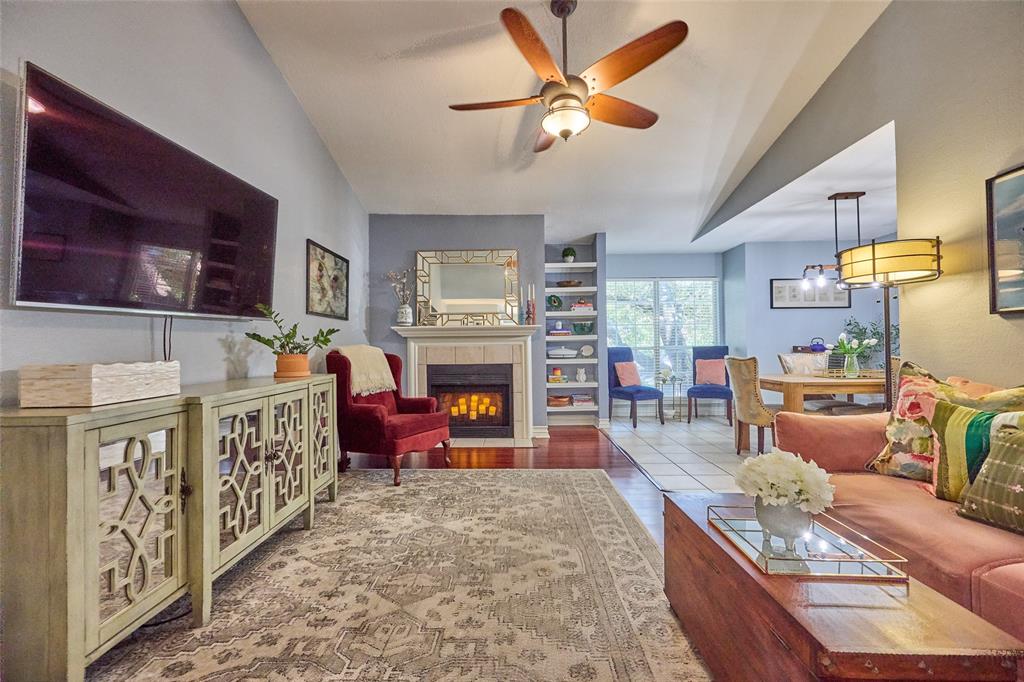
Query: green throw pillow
963, 439
997, 494
909, 452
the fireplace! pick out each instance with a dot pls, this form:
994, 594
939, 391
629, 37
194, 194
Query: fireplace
477, 398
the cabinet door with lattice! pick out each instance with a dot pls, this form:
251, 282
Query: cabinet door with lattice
135, 539
323, 451
288, 458
242, 481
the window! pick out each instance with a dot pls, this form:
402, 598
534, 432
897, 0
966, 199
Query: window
660, 319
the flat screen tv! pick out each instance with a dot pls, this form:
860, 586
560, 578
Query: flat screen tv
114, 216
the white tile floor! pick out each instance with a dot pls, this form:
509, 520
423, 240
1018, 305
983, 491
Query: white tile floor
699, 456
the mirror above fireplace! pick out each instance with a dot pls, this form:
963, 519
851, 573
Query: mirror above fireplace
467, 288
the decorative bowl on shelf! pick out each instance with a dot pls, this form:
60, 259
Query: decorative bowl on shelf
582, 328
554, 302
561, 353
587, 351
569, 283
559, 401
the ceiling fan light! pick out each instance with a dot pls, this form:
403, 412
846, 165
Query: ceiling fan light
565, 118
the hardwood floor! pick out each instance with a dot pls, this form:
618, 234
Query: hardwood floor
570, 447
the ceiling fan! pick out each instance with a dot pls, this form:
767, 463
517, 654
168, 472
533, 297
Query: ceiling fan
572, 101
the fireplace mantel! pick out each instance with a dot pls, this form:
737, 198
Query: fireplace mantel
471, 346
460, 332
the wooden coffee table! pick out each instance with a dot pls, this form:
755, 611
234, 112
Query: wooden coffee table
753, 626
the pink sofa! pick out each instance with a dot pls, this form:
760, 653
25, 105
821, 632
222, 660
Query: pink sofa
979, 566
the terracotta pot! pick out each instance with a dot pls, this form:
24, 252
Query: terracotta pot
292, 366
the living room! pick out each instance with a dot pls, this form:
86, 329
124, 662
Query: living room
517, 429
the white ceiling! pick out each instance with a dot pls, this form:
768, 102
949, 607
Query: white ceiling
801, 210
376, 79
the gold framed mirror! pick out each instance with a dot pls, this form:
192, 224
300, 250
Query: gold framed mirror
467, 288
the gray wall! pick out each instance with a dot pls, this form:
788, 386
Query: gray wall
949, 74
629, 265
196, 73
395, 239
763, 331
734, 293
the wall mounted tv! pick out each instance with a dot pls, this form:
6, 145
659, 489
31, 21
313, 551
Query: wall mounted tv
116, 217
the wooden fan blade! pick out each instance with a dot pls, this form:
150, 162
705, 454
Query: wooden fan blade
501, 104
529, 43
619, 112
619, 65
544, 141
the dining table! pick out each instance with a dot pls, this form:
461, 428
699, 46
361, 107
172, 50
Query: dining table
794, 387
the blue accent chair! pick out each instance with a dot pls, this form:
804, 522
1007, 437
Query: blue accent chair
631, 393
708, 391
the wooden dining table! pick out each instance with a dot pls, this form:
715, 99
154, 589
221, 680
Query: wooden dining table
794, 387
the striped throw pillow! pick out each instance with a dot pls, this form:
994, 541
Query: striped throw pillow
963, 438
997, 494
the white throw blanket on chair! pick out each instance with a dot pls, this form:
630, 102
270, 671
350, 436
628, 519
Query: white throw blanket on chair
370, 370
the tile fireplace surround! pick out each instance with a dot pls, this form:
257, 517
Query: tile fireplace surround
474, 346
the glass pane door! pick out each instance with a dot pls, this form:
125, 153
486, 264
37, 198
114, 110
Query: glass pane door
241, 476
287, 458
139, 555
324, 457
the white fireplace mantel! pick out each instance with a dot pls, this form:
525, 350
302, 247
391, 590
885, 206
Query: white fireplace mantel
504, 331
460, 345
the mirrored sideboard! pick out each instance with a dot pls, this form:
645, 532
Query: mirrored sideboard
109, 514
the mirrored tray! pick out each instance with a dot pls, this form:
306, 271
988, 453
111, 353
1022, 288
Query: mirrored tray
831, 549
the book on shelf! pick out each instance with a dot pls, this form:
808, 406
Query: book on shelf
582, 399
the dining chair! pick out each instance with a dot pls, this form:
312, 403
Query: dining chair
750, 407
708, 391
633, 394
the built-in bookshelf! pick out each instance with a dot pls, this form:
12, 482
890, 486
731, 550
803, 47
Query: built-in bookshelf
572, 322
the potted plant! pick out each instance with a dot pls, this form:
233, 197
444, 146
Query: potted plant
568, 254
852, 349
786, 491
292, 350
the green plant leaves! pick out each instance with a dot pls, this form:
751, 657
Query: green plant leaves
287, 341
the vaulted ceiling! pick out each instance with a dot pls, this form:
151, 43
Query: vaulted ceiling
376, 79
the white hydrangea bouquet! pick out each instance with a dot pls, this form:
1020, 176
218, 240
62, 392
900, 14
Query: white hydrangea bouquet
781, 478
786, 491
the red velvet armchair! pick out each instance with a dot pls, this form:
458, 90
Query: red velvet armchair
385, 423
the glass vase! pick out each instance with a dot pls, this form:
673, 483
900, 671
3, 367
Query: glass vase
851, 367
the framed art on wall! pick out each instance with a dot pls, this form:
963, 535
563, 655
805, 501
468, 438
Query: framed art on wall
790, 293
1005, 202
326, 282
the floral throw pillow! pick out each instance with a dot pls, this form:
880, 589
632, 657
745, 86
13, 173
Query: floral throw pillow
910, 450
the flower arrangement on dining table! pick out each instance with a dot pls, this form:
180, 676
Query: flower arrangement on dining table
852, 349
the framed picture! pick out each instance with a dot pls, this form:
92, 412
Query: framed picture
790, 293
1005, 199
326, 282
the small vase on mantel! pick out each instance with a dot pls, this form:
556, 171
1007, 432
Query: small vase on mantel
851, 367
404, 317
785, 521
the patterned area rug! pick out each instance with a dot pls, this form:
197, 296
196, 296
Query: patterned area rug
504, 575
